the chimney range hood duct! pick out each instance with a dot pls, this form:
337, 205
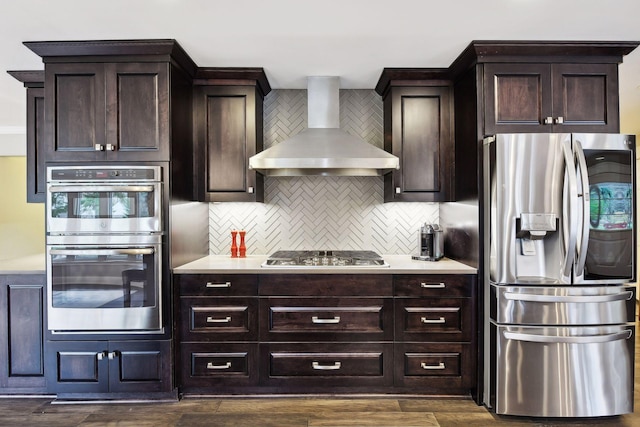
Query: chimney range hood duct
323, 149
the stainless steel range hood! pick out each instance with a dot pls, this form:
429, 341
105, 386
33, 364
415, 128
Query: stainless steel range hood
323, 149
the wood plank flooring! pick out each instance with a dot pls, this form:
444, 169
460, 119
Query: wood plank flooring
286, 412
279, 412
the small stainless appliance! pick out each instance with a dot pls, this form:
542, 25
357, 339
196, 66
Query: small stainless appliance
325, 258
104, 249
559, 249
430, 243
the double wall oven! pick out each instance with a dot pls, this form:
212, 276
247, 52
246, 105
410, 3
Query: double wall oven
104, 249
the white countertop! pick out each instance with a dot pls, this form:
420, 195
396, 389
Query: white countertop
398, 264
29, 264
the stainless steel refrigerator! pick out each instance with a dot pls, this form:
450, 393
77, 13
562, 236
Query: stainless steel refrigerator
559, 221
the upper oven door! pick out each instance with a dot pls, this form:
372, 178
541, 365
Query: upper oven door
110, 207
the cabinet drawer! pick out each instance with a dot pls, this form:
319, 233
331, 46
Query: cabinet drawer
434, 319
212, 364
434, 285
232, 319
216, 284
324, 364
434, 366
335, 285
334, 319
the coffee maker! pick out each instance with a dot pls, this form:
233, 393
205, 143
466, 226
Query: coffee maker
430, 243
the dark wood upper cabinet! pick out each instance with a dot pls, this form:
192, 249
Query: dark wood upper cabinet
227, 131
113, 100
418, 128
107, 111
523, 97
36, 180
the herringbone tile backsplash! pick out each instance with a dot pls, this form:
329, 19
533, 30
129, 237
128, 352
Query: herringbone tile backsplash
321, 212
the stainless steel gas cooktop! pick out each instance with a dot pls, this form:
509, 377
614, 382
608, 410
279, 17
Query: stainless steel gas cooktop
325, 259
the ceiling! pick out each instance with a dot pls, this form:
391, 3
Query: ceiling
291, 39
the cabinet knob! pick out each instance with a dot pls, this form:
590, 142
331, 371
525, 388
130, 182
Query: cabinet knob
112, 355
101, 355
548, 120
559, 120
98, 147
250, 190
111, 147
398, 190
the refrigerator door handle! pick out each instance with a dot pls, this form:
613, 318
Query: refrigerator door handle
589, 339
568, 299
572, 204
586, 205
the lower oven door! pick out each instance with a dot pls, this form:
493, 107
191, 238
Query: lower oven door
563, 371
104, 288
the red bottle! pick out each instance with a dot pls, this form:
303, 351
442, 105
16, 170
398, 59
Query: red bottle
234, 247
243, 248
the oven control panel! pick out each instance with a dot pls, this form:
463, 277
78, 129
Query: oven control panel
89, 173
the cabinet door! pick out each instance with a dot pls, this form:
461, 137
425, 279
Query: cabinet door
21, 334
36, 179
139, 366
517, 98
421, 136
137, 114
585, 98
77, 367
74, 111
228, 131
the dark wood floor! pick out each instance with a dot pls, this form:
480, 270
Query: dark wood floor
280, 412
285, 412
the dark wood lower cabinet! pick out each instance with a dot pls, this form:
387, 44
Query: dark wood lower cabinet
22, 344
314, 333
434, 367
313, 366
109, 367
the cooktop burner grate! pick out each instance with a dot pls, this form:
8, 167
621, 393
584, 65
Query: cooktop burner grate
328, 258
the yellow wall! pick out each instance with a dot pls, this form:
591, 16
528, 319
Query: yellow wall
21, 223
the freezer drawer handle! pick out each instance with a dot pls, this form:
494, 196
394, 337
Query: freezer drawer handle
214, 320
438, 366
567, 299
218, 285
438, 320
319, 367
432, 285
210, 365
316, 319
590, 339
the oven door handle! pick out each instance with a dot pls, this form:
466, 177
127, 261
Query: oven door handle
100, 188
123, 251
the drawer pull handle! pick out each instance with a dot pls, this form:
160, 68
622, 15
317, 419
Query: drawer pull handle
438, 366
319, 367
210, 365
438, 320
218, 285
214, 320
432, 285
316, 319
